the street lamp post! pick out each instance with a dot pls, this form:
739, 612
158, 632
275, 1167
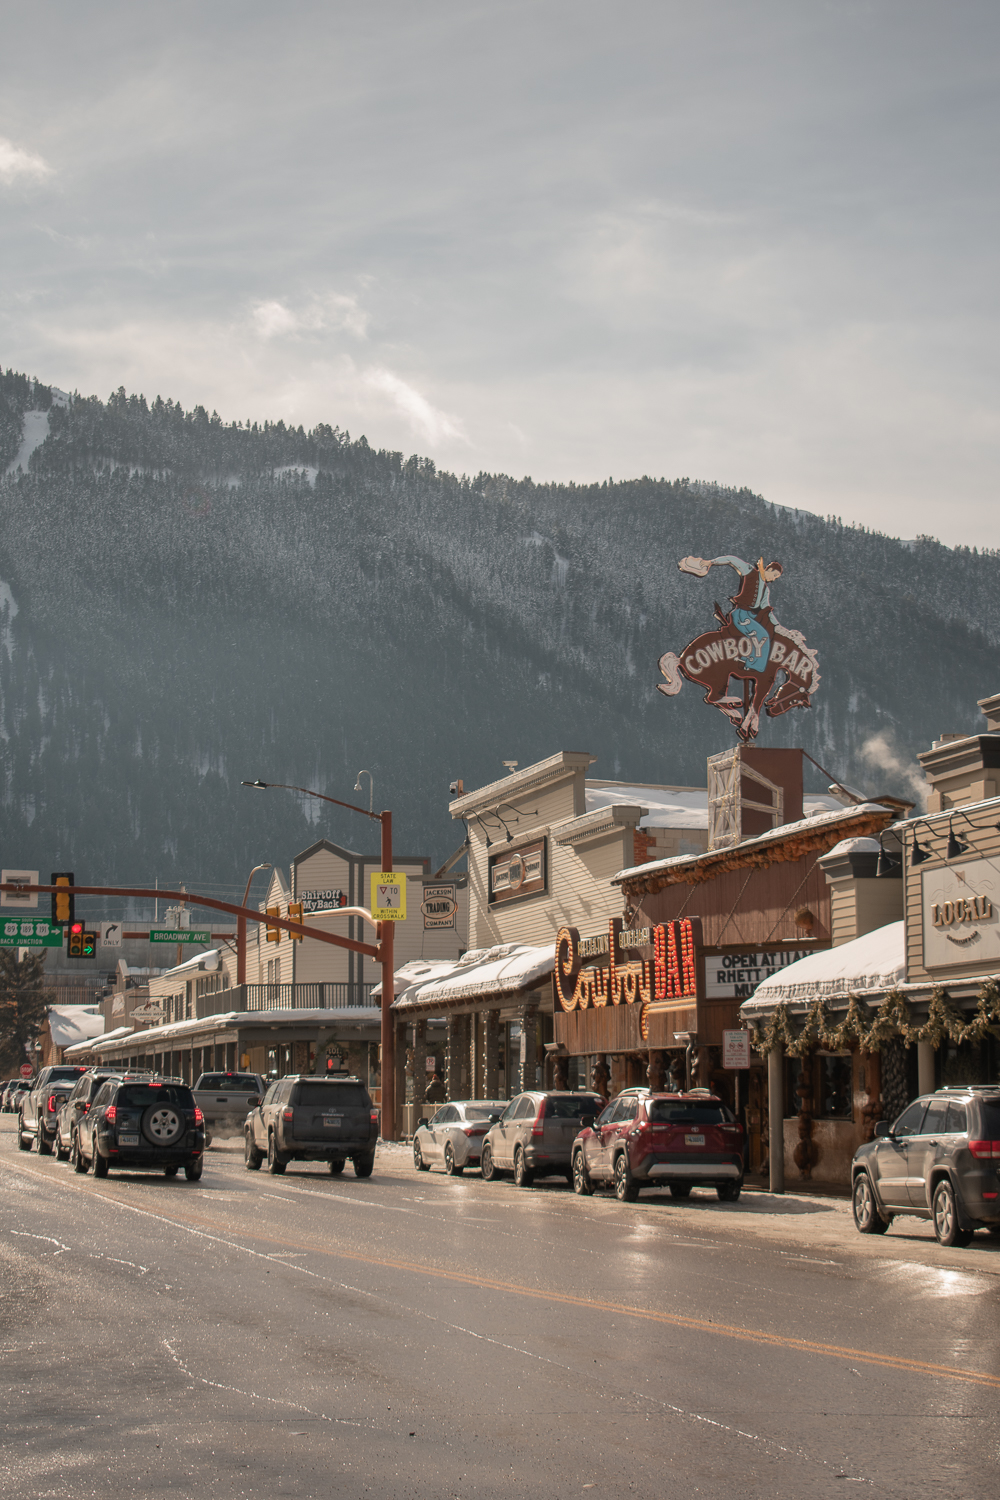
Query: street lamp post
241, 931
385, 949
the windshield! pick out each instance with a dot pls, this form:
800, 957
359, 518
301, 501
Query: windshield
332, 1095
73, 1073
572, 1109
663, 1113
231, 1083
139, 1095
483, 1111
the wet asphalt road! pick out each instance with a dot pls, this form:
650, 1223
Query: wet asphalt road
415, 1335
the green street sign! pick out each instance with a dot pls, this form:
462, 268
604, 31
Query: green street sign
27, 932
179, 935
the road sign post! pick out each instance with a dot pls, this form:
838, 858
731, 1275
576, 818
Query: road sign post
180, 935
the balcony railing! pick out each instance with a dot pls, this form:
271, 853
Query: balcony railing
258, 997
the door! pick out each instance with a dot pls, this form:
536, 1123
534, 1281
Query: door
892, 1159
605, 1134
923, 1150
436, 1132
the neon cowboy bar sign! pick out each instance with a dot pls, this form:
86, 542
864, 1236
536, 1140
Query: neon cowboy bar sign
658, 984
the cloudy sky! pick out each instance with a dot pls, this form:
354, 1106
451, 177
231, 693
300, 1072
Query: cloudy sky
753, 243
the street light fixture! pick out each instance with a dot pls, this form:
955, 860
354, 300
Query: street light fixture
241, 931
371, 787
386, 936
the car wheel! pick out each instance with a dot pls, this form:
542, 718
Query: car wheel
581, 1177
42, 1145
487, 1167
99, 1163
162, 1125
62, 1152
275, 1164
523, 1177
193, 1170
625, 1186
170, 1171
364, 1165
418, 1158
867, 1219
729, 1192
680, 1190
208, 1140
78, 1160
945, 1211
22, 1144
251, 1156
450, 1165
336, 1167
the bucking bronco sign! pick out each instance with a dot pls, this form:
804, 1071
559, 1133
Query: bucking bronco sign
748, 645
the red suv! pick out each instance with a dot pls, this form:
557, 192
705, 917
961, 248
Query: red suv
679, 1141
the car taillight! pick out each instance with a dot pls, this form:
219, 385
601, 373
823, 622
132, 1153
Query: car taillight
52, 1105
539, 1126
474, 1130
287, 1114
987, 1149
375, 1117
199, 1118
111, 1113
86, 1106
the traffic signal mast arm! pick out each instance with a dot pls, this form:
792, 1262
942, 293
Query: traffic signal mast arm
373, 950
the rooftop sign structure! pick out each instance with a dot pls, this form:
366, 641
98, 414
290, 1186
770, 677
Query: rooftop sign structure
749, 645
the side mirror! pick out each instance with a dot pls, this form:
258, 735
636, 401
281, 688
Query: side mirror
254, 1101
883, 1127
586, 1121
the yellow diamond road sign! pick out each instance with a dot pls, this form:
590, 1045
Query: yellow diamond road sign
389, 896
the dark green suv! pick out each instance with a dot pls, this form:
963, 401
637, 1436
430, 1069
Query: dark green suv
939, 1161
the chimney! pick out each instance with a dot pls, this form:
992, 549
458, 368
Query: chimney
751, 791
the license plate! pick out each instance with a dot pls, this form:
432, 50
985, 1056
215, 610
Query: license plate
332, 1119
694, 1140
128, 1140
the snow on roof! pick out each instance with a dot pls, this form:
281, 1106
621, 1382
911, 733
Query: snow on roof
502, 970
73, 1023
207, 959
348, 1015
876, 961
91, 1044
417, 971
773, 835
854, 846
680, 806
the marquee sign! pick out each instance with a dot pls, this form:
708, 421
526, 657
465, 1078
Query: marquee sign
748, 646
658, 984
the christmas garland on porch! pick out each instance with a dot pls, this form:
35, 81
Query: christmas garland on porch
870, 1030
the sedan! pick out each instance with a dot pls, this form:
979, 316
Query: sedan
454, 1136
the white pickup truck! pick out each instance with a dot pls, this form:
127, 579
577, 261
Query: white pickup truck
225, 1099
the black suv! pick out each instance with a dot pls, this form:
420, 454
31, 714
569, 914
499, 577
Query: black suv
939, 1161
313, 1117
141, 1123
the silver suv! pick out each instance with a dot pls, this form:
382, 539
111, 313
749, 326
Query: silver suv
939, 1161
534, 1136
313, 1117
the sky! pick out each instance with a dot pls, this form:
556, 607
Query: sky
747, 243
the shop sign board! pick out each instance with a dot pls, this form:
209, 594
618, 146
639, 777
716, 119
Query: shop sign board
658, 984
388, 896
518, 872
21, 900
735, 976
30, 933
202, 936
151, 1010
315, 900
118, 1005
960, 914
747, 646
439, 907
736, 1049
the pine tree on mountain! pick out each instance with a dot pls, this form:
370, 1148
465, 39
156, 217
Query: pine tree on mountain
23, 998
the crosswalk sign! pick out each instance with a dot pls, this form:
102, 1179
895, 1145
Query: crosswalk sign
388, 896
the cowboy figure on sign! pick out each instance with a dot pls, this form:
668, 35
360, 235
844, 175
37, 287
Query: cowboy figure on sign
749, 645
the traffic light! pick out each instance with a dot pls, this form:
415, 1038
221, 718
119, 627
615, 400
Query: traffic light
274, 933
295, 915
63, 900
82, 944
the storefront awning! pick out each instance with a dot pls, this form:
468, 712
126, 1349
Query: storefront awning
870, 964
483, 973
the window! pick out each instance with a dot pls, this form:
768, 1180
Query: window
910, 1120
661, 1112
835, 1087
332, 1095
526, 1108
957, 1123
934, 1119
572, 1109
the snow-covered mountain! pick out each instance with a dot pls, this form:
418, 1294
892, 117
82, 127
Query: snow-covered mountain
191, 604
